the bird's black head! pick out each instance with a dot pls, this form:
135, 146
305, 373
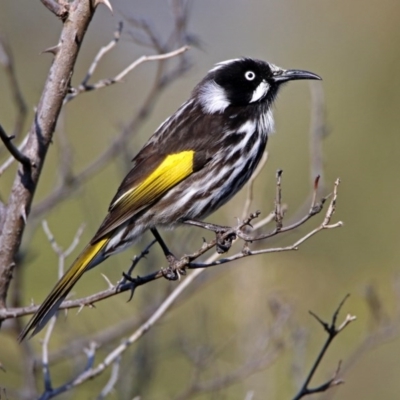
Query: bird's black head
242, 82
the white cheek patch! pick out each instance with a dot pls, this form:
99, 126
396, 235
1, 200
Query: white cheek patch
260, 92
213, 98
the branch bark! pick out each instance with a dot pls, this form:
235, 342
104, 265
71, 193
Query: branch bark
39, 139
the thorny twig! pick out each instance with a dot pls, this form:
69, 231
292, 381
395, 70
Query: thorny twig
11, 159
15, 152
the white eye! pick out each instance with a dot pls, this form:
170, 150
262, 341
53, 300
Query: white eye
249, 75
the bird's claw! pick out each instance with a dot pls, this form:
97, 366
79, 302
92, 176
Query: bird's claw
173, 272
224, 240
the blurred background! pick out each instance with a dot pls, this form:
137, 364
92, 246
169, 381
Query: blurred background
237, 313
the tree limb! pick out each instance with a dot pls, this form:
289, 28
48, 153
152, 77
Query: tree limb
40, 137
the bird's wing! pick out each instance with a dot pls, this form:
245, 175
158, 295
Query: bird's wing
149, 179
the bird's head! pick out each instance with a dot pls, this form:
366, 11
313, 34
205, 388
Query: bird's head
242, 82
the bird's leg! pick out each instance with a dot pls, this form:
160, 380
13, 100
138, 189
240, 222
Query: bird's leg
171, 273
224, 234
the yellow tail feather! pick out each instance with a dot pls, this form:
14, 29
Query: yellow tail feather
60, 291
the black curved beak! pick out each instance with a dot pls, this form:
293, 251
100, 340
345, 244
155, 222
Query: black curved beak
293, 74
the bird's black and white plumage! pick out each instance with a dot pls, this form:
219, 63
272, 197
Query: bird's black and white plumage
196, 161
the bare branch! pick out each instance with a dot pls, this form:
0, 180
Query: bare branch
39, 140
278, 201
61, 258
7, 140
386, 331
332, 330
75, 241
45, 355
315, 208
112, 381
187, 261
7, 60
169, 301
84, 87
325, 225
59, 9
11, 159
102, 52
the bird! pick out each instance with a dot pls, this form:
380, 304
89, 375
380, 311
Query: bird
195, 162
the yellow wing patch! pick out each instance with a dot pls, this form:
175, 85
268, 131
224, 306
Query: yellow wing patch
171, 171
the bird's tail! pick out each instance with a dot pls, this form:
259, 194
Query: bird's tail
49, 307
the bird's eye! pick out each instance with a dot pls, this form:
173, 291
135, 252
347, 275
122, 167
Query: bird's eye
249, 75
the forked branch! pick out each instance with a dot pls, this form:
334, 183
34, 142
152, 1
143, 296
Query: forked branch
332, 330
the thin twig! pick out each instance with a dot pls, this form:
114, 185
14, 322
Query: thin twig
102, 52
324, 225
45, 355
11, 159
112, 381
332, 330
7, 140
7, 60
314, 209
84, 87
169, 301
250, 185
61, 258
278, 201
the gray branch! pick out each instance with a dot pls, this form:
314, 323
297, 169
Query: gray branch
39, 139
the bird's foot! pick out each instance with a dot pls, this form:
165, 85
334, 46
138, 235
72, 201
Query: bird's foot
174, 270
225, 235
224, 239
